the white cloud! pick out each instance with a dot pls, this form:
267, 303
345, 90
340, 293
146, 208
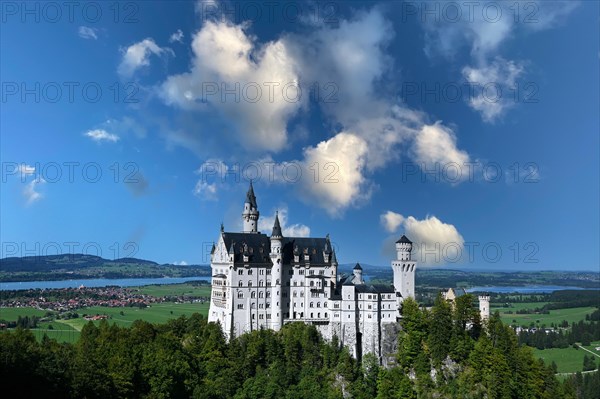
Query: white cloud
176, 37
434, 242
88, 33
30, 191
340, 181
265, 225
205, 191
484, 28
493, 84
435, 148
263, 78
99, 135
137, 56
25, 170
391, 221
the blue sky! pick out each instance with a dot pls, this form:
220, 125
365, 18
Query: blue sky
132, 129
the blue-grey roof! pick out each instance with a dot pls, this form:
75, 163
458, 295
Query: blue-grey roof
403, 240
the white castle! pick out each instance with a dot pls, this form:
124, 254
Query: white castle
264, 282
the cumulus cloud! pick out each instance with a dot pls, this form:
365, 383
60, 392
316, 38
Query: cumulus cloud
99, 135
261, 80
366, 126
86, 32
265, 225
30, 191
434, 242
435, 148
334, 172
205, 191
176, 37
391, 221
137, 56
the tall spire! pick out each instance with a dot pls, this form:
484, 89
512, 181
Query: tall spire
250, 215
276, 227
250, 197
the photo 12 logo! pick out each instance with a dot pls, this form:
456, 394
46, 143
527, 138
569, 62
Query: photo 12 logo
72, 172
113, 251
68, 92
53, 12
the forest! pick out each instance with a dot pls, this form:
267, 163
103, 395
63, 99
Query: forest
443, 352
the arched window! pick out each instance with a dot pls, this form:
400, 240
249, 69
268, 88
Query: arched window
311, 304
261, 283
260, 294
253, 295
240, 284
249, 283
318, 304
240, 295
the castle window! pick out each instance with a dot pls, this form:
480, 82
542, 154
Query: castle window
301, 294
321, 272
311, 304
268, 305
268, 294
240, 295
312, 283
253, 305
253, 316
268, 316
301, 271
260, 294
253, 295
311, 272
240, 306
268, 272
348, 306
311, 315
261, 272
319, 315
260, 316
240, 283
241, 272
260, 305
261, 283
249, 272
295, 283
369, 315
325, 315
268, 283
348, 316
318, 304
295, 294
249, 283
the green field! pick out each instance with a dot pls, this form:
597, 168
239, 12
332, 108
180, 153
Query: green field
555, 316
11, 314
568, 360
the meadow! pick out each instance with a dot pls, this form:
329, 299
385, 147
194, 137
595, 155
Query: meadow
555, 316
568, 360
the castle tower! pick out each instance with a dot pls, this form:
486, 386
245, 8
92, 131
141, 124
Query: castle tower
358, 274
404, 269
250, 214
276, 275
484, 307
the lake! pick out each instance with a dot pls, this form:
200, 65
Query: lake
529, 289
97, 282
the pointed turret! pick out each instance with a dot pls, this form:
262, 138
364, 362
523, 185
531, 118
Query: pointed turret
276, 228
250, 215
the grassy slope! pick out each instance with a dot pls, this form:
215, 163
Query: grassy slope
555, 316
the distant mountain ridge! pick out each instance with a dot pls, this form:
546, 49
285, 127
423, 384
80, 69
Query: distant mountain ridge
70, 266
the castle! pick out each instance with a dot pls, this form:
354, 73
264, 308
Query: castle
262, 281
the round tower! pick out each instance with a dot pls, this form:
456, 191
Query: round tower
250, 215
403, 248
404, 269
484, 307
276, 275
358, 277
